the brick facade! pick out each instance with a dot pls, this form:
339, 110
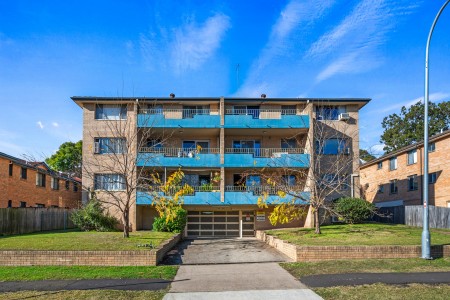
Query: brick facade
439, 162
15, 189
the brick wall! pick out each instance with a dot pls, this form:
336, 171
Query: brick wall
319, 253
88, 258
439, 193
16, 189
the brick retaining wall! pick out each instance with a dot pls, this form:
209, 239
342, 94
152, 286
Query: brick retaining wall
87, 258
318, 253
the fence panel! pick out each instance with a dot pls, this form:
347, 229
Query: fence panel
439, 216
395, 215
30, 219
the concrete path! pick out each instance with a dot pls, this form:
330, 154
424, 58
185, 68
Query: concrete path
237, 281
223, 251
89, 284
370, 278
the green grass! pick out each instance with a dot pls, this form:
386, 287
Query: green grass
81, 240
383, 292
93, 294
85, 272
300, 269
361, 235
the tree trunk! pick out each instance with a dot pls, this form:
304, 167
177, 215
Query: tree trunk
126, 223
316, 221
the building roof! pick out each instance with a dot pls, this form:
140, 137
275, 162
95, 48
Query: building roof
435, 137
84, 99
35, 166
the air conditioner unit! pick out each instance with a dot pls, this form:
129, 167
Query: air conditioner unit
344, 117
97, 147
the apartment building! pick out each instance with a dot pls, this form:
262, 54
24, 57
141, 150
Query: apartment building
35, 184
396, 178
214, 141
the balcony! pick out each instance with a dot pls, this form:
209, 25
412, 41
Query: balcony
234, 195
266, 157
178, 118
264, 118
178, 157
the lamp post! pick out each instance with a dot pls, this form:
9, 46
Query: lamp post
426, 232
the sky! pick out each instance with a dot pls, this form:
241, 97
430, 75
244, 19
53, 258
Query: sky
52, 50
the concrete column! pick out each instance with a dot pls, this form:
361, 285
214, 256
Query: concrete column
222, 145
240, 224
222, 184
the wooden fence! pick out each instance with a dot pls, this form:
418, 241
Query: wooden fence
26, 220
439, 216
413, 216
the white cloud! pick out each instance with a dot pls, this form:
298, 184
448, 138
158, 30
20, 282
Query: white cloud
353, 45
376, 150
433, 97
39, 123
54, 124
186, 47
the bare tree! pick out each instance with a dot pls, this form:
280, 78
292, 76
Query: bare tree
332, 160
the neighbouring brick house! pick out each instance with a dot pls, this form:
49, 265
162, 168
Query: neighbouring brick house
34, 184
395, 179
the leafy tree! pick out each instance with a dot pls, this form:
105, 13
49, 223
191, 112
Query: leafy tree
93, 217
67, 159
365, 155
407, 128
175, 225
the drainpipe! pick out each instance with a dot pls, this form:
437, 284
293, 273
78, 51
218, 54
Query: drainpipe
240, 224
352, 184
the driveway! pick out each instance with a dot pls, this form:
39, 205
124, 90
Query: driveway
223, 251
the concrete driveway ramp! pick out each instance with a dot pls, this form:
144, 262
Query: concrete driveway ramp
223, 251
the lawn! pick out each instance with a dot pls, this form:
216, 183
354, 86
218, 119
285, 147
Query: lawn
382, 292
300, 269
361, 235
29, 273
93, 294
81, 240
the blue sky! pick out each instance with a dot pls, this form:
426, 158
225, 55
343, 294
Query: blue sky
51, 50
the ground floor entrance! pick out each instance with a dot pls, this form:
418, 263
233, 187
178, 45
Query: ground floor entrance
233, 223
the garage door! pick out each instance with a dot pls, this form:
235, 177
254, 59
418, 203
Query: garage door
218, 224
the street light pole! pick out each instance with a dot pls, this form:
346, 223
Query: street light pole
426, 252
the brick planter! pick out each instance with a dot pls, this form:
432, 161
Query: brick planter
318, 253
87, 258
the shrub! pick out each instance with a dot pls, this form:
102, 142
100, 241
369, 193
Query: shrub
92, 217
176, 225
354, 210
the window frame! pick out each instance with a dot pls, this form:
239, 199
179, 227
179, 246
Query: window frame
430, 177
333, 112
54, 183
431, 147
23, 173
393, 186
40, 179
101, 115
380, 189
411, 157
11, 168
380, 165
110, 145
22, 204
393, 159
101, 185
413, 183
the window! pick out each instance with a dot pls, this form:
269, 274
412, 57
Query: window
75, 187
394, 187
431, 147
432, 177
23, 204
329, 112
380, 165
109, 182
329, 181
412, 157
67, 184
288, 143
111, 112
55, 183
10, 169
23, 173
40, 205
246, 110
40, 179
109, 145
393, 163
154, 143
289, 180
380, 188
154, 109
288, 109
331, 146
9, 203
413, 183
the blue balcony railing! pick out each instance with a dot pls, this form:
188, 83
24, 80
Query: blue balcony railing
178, 157
178, 118
266, 157
264, 118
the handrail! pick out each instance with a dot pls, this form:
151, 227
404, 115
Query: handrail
255, 189
265, 152
179, 152
253, 111
186, 112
